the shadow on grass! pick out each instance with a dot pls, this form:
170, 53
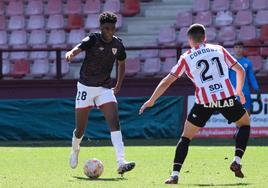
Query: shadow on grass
133, 142
98, 179
219, 185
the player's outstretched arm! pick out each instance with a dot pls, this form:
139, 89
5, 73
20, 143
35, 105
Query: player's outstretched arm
72, 53
160, 89
121, 76
240, 78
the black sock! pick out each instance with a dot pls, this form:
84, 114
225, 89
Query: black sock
241, 140
181, 153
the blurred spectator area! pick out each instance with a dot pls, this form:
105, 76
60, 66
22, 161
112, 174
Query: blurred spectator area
159, 24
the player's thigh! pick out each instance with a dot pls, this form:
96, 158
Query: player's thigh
235, 112
84, 96
190, 130
106, 96
199, 115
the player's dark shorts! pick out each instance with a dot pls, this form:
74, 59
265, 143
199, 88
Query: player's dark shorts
230, 108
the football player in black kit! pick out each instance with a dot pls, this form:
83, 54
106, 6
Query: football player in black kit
94, 88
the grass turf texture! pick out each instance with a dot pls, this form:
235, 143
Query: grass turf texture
45, 164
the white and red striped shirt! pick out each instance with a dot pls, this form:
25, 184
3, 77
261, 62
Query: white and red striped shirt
208, 67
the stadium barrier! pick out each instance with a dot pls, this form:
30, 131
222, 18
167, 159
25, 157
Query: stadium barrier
54, 119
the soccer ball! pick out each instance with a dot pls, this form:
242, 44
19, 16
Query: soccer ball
93, 168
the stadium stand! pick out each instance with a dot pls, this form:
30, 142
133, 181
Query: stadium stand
161, 23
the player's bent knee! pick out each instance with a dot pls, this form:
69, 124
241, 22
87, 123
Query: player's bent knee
190, 130
244, 120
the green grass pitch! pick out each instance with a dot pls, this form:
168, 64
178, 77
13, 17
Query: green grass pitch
45, 164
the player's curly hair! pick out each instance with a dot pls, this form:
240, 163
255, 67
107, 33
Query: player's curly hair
107, 17
197, 32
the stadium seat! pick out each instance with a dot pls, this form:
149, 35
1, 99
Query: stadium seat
18, 39
2, 12
167, 53
92, 7
54, 7
36, 22
73, 7
92, 21
133, 66
259, 4
55, 21
52, 55
75, 21
20, 68
34, 7
220, 5
167, 36
227, 33
240, 5
243, 17
148, 53
37, 38
119, 22
184, 19
182, 38
224, 18
112, 6
2, 23
261, 17
201, 5
264, 33
167, 65
252, 51
257, 62
40, 67
3, 39
18, 55
56, 39
264, 51
247, 32
131, 7
15, 7
76, 36
210, 34
204, 18
16, 22
64, 68
38, 55
5, 67
151, 66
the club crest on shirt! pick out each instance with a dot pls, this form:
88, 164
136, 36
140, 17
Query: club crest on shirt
246, 65
101, 48
114, 50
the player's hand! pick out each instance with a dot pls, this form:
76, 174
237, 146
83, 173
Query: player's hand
240, 94
147, 104
69, 56
116, 89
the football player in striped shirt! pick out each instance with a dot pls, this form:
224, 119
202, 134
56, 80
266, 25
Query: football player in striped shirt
207, 65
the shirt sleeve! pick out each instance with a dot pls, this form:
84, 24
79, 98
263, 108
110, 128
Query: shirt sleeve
251, 77
178, 69
121, 53
229, 59
87, 42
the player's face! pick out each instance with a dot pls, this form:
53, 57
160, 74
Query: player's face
238, 50
107, 31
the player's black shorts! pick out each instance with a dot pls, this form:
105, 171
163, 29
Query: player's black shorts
230, 108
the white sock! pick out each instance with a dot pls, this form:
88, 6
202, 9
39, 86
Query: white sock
237, 159
118, 144
76, 141
175, 173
